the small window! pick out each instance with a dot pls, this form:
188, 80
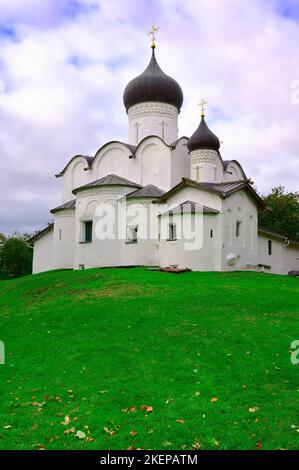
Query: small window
132, 234
238, 228
197, 173
172, 232
60, 234
269, 247
88, 231
211, 233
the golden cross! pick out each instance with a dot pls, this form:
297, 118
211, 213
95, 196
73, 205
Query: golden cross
202, 104
152, 33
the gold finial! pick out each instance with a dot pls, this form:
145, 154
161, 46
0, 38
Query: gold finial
152, 33
202, 104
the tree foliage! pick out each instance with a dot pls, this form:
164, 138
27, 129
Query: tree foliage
284, 214
15, 257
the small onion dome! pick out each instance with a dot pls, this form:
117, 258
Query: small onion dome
203, 138
153, 85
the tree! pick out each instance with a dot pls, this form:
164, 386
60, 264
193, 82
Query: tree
284, 214
15, 257
2, 239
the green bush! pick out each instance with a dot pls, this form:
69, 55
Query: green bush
15, 258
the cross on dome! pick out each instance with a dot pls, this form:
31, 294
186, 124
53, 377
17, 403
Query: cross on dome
202, 104
152, 32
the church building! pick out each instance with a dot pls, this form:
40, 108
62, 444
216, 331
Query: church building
160, 199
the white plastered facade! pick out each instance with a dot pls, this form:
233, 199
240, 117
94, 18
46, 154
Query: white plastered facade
230, 239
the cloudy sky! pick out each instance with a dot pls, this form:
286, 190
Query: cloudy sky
64, 65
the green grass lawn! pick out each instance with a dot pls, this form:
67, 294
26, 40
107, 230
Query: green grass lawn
209, 352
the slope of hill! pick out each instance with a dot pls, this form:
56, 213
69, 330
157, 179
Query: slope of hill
133, 358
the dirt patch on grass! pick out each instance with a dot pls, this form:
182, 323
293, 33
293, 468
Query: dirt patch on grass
110, 291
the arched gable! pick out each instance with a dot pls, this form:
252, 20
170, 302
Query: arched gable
154, 157
113, 157
74, 175
234, 171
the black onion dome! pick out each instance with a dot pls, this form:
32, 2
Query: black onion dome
203, 138
153, 85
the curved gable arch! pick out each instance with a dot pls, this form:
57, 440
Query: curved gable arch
113, 157
154, 157
234, 171
74, 175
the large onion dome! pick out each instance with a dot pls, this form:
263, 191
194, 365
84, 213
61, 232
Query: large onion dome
203, 138
153, 85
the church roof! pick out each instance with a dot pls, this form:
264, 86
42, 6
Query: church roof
222, 189
153, 85
203, 138
148, 191
88, 159
109, 180
195, 207
68, 205
41, 233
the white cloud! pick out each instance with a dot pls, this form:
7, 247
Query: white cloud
64, 69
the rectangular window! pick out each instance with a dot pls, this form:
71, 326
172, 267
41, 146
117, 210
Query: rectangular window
60, 235
269, 247
211, 233
238, 228
172, 232
132, 234
88, 231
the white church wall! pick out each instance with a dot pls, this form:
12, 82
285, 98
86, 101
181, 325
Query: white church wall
206, 166
180, 162
207, 257
233, 173
239, 252
43, 253
197, 195
176, 252
291, 258
155, 163
99, 252
64, 239
153, 118
282, 258
273, 263
143, 214
114, 159
74, 176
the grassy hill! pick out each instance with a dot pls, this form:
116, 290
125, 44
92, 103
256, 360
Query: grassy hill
205, 354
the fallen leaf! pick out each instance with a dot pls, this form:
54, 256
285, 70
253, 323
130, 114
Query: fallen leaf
109, 431
36, 403
80, 435
133, 433
133, 409
196, 445
214, 399
147, 409
259, 445
254, 409
89, 439
131, 448
180, 421
196, 394
66, 421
